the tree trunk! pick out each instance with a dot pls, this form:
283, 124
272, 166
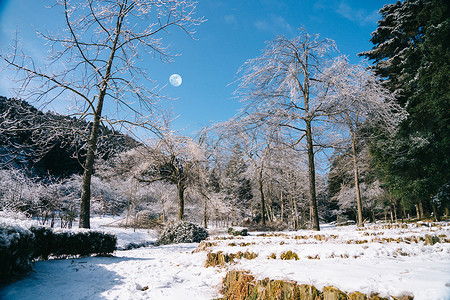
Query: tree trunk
269, 203
269, 212
180, 188
85, 207
356, 174
313, 214
421, 210
205, 216
395, 213
261, 194
297, 223
303, 219
282, 208
294, 213
436, 213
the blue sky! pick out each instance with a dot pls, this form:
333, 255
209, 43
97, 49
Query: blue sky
235, 31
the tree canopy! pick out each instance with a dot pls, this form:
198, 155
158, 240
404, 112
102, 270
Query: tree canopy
411, 53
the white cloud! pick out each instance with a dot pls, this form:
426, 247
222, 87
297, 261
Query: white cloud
360, 16
261, 25
230, 19
274, 23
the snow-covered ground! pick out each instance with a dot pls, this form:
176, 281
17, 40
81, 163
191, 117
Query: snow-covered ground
387, 261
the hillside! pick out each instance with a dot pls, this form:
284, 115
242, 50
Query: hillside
49, 143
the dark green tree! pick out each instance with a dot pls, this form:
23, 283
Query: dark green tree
235, 181
411, 53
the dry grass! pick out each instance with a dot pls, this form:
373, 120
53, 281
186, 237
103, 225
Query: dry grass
241, 285
221, 259
289, 255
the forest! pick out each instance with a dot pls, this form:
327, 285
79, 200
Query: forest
317, 140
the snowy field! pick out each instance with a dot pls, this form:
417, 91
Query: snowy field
378, 259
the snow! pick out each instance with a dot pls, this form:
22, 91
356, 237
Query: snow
169, 272
345, 257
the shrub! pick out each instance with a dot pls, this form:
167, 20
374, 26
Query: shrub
43, 242
242, 231
16, 251
182, 232
19, 246
147, 219
70, 243
101, 243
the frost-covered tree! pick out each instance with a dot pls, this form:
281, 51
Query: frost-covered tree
173, 159
342, 187
18, 191
287, 88
365, 102
287, 176
255, 145
94, 62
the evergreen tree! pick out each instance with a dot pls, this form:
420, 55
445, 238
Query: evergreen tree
238, 184
411, 52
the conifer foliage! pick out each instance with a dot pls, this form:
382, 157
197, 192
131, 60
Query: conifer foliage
412, 53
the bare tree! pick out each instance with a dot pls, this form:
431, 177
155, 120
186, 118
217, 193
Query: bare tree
364, 102
173, 159
94, 62
255, 143
287, 87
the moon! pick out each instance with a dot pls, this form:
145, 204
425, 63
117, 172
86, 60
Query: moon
175, 80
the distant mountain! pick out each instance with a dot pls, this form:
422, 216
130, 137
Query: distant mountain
49, 143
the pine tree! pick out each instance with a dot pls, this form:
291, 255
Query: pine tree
411, 52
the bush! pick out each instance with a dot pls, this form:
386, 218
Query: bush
241, 231
16, 251
182, 232
19, 246
147, 219
43, 242
70, 243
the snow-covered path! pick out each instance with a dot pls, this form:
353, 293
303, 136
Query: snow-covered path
169, 272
